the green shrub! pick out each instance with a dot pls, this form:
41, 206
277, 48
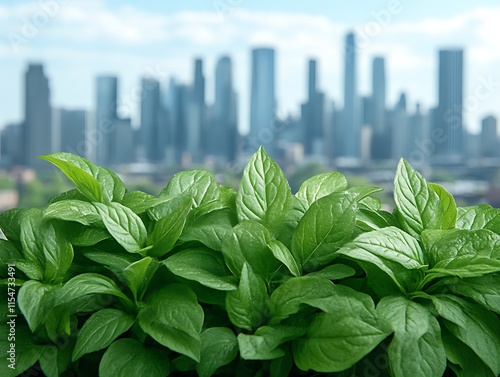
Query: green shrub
259, 282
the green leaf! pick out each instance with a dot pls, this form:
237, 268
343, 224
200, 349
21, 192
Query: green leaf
391, 250
368, 220
209, 229
361, 192
55, 360
464, 267
248, 306
419, 207
124, 225
290, 297
248, 242
33, 300
10, 223
463, 361
87, 284
199, 185
128, 357
326, 226
118, 189
481, 216
139, 202
139, 274
337, 340
117, 263
173, 317
72, 194
203, 265
449, 206
86, 236
473, 325
264, 343
264, 194
45, 247
81, 172
218, 347
285, 256
98, 184
485, 290
167, 230
334, 272
100, 330
442, 245
321, 185
9, 254
416, 349
73, 210
26, 351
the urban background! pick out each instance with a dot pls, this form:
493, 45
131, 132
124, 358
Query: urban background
212, 118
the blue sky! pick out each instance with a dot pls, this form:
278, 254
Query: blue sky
81, 39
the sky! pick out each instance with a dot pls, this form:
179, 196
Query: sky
77, 40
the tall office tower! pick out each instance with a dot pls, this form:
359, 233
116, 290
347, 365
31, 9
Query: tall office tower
400, 129
351, 117
222, 136
10, 145
196, 126
37, 126
489, 137
124, 146
72, 128
105, 125
178, 100
262, 99
418, 134
448, 117
152, 135
380, 146
313, 115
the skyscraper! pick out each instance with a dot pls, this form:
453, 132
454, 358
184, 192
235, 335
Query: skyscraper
380, 146
448, 117
151, 136
105, 126
489, 137
196, 115
351, 117
72, 126
262, 99
222, 136
313, 115
37, 126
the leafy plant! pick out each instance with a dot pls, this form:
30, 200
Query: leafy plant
206, 280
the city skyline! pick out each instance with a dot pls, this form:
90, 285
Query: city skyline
405, 34
179, 127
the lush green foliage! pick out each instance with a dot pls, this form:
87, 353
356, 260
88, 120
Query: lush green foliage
206, 280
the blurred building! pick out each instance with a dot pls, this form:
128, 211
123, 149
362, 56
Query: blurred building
222, 135
153, 130
105, 125
263, 99
449, 112
71, 126
313, 115
36, 132
10, 145
351, 115
489, 137
124, 145
377, 112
